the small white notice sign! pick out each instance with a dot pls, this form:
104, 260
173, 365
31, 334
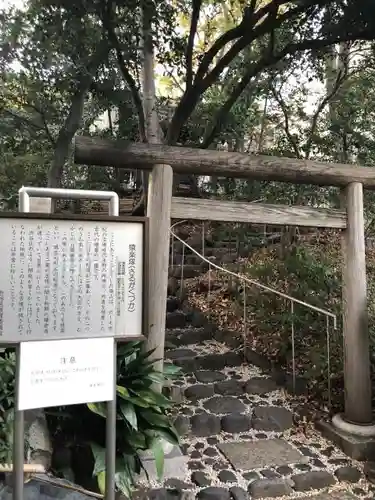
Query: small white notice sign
65, 372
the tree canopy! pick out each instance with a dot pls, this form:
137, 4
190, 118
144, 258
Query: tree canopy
221, 66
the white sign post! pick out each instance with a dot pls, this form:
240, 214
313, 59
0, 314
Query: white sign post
69, 288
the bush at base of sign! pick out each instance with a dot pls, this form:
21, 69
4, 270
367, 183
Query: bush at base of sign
143, 421
7, 376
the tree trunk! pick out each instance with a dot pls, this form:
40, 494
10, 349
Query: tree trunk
74, 118
64, 139
263, 126
337, 61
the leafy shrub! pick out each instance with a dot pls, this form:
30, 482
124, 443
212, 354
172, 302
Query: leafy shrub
7, 377
142, 419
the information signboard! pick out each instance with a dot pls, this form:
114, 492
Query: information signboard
65, 372
63, 278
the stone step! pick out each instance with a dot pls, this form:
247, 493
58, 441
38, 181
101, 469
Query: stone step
188, 336
196, 244
233, 416
225, 244
217, 402
206, 384
192, 259
173, 303
175, 273
189, 360
187, 271
180, 319
230, 387
195, 335
176, 319
263, 488
260, 465
196, 260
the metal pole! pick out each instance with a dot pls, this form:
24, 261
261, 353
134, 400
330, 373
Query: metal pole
110, 457
19, 416
18, 438
110, 430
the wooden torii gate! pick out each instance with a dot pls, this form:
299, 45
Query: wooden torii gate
159, 159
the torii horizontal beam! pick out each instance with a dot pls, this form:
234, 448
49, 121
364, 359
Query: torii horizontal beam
123, 154
256, 213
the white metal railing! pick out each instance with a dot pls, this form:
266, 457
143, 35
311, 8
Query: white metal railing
245, 280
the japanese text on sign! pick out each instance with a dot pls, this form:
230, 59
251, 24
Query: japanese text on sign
70, 279
63, 372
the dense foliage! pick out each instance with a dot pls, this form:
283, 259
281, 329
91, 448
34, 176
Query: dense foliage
67, 66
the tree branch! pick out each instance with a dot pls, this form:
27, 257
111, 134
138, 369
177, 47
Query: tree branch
244, 32
196, 8
285, 112
31, 123
44, 120
202, 83
73, 120
108, 24
223, 112
175, 81
255, 69
270, 24
341, 77
222, 115
46, 128
191, 96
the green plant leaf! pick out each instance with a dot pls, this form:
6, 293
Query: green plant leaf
171, 370
128, 349
169, 435
124, 482
154, 398
155, 419
136, 401
121, 391
101, 481
128, 411
140, 363
99, 457
137, 440
158, 451
156, 377
98, 408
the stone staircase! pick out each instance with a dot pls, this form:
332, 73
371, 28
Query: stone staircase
240, 435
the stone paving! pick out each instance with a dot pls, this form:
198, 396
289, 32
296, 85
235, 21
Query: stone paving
239, 428
239, 435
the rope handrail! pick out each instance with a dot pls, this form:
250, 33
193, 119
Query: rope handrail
253, 282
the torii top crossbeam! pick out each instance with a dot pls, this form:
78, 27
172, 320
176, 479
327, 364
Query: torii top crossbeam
123, 154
